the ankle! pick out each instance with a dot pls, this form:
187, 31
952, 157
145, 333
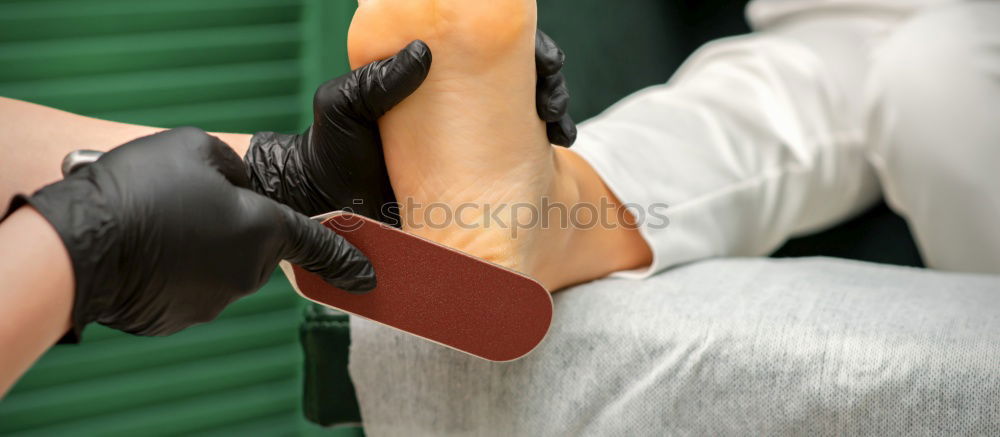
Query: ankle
592, 246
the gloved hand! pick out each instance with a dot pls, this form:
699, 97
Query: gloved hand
553, 96
338, 162
162, 235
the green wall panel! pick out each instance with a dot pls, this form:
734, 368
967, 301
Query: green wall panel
223, 65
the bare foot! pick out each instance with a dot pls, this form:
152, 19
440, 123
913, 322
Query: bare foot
467, 154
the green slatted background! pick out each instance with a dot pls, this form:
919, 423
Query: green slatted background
223, 65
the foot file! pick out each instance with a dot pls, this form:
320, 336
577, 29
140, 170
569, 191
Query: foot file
435, 293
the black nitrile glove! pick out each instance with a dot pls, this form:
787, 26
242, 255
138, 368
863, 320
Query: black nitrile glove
338, 163
553, 96
163, 234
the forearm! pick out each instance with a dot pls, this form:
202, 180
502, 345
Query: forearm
36, 292
34, 139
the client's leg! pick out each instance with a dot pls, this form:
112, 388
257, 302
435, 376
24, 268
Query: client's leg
936, 132
756, 139
467, 155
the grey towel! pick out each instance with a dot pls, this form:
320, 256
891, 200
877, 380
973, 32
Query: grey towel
722, 347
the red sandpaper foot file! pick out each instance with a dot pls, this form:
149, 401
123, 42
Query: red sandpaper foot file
436, 293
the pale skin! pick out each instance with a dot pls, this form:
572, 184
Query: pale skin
36, 138
36, 288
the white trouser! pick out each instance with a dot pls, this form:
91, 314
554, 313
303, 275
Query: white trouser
935, 132
803, 124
